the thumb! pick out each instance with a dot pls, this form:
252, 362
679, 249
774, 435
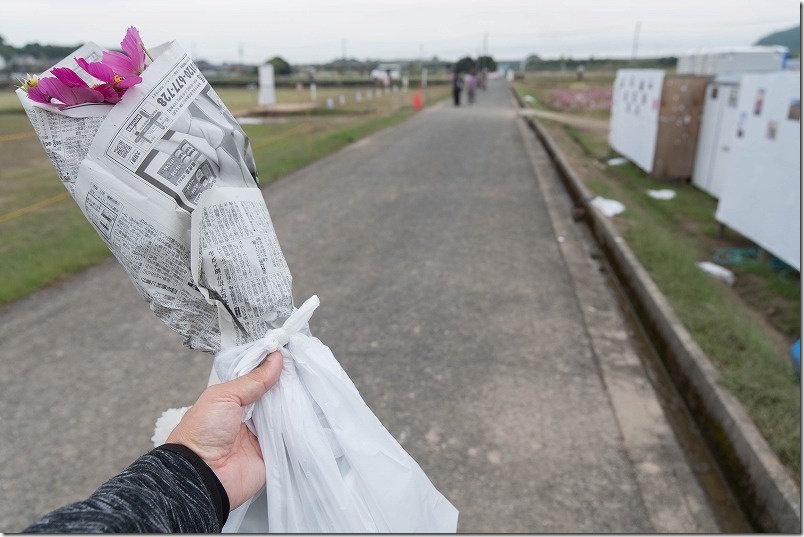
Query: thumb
253, 385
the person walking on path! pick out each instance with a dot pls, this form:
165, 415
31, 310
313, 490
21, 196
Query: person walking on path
471, 86
457, 86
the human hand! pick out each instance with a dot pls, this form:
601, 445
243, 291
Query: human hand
213, 428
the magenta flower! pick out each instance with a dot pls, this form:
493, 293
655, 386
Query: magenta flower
35, 94
104, 73
116, 72
130, 62
66, 89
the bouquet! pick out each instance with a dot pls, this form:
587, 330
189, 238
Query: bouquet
166, 176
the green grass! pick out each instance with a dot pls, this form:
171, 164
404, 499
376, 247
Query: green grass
595, 146
9, 102
244, 99
46, 245
750, 363
669, 237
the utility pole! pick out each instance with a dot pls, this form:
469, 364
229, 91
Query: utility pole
636, 41
343, 48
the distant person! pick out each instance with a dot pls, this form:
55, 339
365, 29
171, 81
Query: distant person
579, 72
457, 87
471, 86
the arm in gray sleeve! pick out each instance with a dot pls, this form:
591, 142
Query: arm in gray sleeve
168, 490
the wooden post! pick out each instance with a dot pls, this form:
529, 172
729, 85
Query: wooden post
309, 133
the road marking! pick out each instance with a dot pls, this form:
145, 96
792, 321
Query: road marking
31, 208
17, 136
286, 134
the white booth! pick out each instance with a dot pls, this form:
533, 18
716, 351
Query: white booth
720, 104
715, 137
762, 196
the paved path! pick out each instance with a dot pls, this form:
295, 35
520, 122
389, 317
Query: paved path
446, 294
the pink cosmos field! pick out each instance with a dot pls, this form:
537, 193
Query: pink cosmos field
592, 98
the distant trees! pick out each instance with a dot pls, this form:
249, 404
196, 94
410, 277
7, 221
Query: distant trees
35, 50
787, 38
281, 67
534, 63
6, 50
486, 62
466, 64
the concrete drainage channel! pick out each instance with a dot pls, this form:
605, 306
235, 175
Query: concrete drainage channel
762, 486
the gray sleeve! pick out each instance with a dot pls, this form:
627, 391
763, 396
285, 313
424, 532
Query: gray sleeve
168, 490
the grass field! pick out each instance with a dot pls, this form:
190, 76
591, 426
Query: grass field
747, 329
46, 237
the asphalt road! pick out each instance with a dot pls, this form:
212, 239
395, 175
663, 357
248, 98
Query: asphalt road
474, 326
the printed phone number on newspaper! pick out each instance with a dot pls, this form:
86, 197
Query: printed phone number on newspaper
190, 72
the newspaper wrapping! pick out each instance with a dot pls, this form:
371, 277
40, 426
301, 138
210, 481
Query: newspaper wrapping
168, 180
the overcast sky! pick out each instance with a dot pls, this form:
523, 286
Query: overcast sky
311, 31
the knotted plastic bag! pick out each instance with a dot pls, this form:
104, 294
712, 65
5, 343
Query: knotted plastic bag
331, 466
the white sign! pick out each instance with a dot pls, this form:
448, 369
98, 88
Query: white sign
267, 91
634, 124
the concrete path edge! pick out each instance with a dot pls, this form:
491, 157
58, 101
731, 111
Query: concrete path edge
761, 483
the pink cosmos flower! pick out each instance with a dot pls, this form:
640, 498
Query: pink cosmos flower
106, 74
68, 89
116, 72
130, 62
35, 94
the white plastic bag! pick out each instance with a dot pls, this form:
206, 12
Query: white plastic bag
607, 206
717, 272
331, 466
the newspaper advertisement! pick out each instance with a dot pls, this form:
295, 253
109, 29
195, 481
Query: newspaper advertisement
138, 169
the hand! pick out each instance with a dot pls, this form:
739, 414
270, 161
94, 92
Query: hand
213, 428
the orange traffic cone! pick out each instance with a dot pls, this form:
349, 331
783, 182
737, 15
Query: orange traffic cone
417, 101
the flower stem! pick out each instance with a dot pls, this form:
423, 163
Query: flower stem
146, 52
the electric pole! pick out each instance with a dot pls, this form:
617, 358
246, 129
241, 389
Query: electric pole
636, 41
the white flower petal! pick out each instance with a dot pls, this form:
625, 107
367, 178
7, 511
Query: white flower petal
166, 423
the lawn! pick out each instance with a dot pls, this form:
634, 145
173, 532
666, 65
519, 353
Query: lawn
45, 235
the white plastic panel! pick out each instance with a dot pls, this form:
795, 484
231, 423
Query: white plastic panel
762, 198
714, 137
634, 123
